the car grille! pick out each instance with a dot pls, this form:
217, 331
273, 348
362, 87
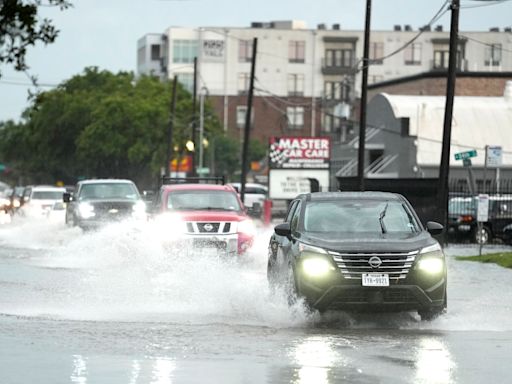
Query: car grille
208, 227
112, 210
353, 264
366, 296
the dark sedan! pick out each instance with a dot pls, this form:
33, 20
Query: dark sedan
359, 251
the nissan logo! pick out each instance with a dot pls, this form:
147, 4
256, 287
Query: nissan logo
208, 227
375, 262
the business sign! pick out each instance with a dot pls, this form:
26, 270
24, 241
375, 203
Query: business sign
213, 50
293, 152
465, 155
482, 213
494, 156
288, 183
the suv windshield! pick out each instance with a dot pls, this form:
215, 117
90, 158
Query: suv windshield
199, 200
99, 191
47, 195
462, 205
357, 216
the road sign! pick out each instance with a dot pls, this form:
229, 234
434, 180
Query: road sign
482, 213
465, 155
203, 170
494, 156
466, 162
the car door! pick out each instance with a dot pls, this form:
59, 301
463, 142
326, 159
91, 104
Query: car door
281, 245
502, 216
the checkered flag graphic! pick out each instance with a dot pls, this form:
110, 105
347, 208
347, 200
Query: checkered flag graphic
276, 154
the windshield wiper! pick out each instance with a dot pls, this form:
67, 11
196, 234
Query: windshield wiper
381, 219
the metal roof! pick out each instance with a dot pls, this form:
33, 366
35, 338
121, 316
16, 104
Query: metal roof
477, 122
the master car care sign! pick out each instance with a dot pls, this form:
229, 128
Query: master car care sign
299, 152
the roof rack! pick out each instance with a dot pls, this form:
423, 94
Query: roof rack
193, 180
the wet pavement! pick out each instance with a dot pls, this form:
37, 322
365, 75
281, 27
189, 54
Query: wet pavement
113, 307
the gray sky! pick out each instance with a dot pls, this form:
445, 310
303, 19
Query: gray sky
104, 33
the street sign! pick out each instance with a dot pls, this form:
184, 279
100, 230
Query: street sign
494, 156
203, 170
465, 155
482, 213
466, 162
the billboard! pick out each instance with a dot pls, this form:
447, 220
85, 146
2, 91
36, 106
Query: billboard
288, 183
295, 152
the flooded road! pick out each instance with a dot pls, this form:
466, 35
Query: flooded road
114, 307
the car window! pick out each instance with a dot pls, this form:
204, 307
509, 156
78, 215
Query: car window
99, 191
47, 195
295, 218
203, 200
290, 212
357, 216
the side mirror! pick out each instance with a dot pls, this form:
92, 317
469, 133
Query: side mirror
434, 228
66, 197
283, 229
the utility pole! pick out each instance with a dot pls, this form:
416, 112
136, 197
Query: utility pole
247, 130
444, 168
364, 93
194, 108
171, 126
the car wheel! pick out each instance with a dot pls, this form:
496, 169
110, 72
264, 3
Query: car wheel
482, 235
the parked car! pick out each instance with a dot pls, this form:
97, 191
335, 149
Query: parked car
363, 251
96, 202
254, 197
462, 218
38, 200
196, 214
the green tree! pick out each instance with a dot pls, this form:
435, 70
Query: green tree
21, 27
99, 124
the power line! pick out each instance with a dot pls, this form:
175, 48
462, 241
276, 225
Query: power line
488, 4
484, 43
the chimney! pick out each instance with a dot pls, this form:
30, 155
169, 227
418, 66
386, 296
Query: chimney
407, 27
494, 29
321, 26
507, 94
507, 29
439, 28
397, 27
336, 27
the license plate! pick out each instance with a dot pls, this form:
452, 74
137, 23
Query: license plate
375, 280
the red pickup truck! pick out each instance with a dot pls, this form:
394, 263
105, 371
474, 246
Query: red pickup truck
203, 215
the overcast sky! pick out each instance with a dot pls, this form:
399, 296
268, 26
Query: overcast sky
104, 33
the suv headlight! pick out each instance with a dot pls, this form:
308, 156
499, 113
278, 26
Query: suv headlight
86, 210
314, 261
246, 227
139, 209
431, 260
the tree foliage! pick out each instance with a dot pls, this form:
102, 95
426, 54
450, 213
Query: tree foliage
99, 124
21, 27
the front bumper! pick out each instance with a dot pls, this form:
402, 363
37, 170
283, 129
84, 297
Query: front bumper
342, 294
217, 244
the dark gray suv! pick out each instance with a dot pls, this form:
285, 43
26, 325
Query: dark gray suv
96, 202
359, 251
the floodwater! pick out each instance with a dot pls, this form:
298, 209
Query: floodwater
114, 307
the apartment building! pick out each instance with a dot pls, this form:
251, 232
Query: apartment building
307, 80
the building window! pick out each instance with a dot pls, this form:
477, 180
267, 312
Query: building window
243, 83
296, 51
245, 51
376, 53
337, 90
187, 80
184, 51
343, 58
295, 85
441, 58
493, 55
295, 117
155, 52
412, 54
241, 113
